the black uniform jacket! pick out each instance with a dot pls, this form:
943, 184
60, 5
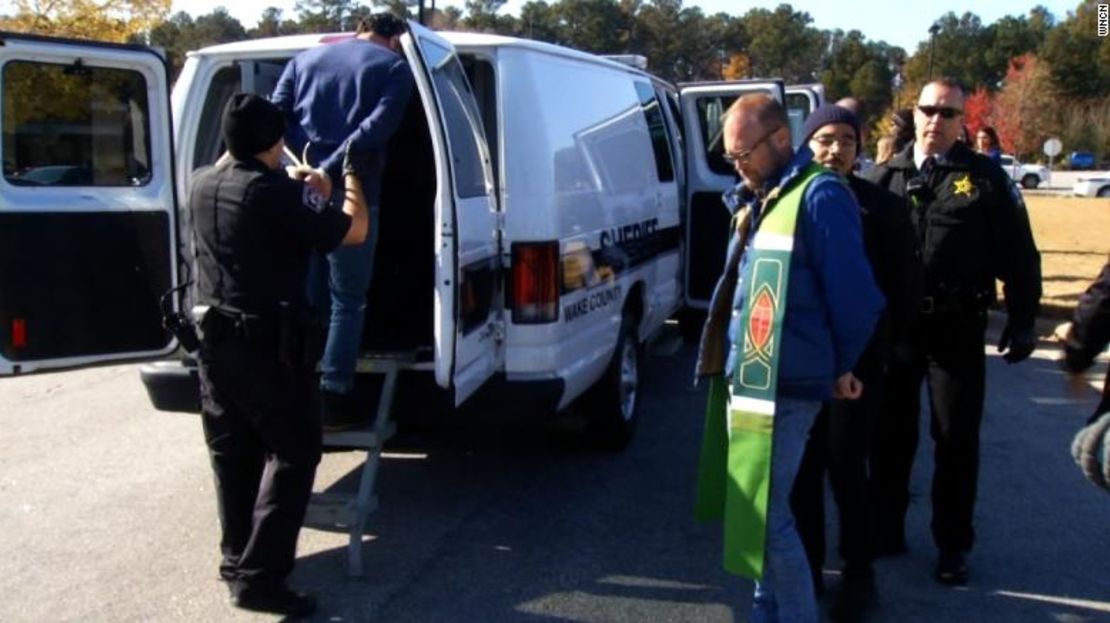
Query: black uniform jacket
254, 229
972, 228
891, 247
1090, 333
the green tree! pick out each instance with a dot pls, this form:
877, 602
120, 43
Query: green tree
1079, 61
481, 16
591, 25
781, 43
325, 15
539, 21
271, 24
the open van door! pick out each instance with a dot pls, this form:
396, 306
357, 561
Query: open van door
468, 326
88, 228
708, 175
801, 100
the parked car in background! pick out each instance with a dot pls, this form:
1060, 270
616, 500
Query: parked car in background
1081, 160
1094, 186
1028, 175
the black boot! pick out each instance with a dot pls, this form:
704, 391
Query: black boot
339, 412
279, 600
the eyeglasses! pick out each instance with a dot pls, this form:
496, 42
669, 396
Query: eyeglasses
945, 112
741, 157
827, 141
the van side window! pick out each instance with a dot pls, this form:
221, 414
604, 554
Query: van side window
75, 125
464, 127
657, 128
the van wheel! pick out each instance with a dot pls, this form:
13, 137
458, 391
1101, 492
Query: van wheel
1030, 181
612, 407
1104, 192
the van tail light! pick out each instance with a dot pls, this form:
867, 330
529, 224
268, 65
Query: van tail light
535, 282
19, 333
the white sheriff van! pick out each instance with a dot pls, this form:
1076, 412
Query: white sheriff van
538, 213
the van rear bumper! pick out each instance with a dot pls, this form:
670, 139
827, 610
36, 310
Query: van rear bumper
172, 385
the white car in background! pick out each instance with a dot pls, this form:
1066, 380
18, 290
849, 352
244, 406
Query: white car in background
1028, 175
1097, 185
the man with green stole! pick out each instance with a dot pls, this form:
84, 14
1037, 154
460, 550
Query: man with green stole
800, 303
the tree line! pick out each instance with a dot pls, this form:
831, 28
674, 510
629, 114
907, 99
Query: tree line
1031, 76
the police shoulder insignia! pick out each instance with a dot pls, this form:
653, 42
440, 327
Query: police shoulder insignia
313, 200
964, 186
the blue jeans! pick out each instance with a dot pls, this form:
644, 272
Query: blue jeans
785, 594
342, 278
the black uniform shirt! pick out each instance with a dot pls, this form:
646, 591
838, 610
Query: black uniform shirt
972, 228
254, 230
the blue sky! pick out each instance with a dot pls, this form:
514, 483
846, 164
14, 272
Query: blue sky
899, 23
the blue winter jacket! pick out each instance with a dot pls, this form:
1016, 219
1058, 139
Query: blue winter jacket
832, 301
353, 90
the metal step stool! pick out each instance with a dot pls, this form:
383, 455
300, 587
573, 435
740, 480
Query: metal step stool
344, 510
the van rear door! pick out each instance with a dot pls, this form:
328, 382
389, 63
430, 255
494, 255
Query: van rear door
87, 221
707, 176
468, 342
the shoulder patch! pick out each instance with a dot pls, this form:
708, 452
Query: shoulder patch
313, 200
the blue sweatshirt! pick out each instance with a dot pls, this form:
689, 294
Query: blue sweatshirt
350, 91
832, 301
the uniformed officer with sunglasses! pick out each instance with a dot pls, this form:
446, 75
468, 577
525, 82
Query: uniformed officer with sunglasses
973, 228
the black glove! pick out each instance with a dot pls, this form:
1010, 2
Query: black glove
1020, 343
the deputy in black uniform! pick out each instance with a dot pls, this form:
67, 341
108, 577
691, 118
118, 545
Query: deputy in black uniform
973, 228
254, 230
840, 440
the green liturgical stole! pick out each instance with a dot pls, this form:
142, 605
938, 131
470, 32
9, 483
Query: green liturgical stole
734, 474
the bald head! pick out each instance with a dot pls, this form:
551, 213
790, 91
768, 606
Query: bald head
851, 104
757, 138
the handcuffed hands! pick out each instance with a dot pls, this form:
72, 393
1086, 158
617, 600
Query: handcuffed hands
1017, 343
1091, 451
316, 178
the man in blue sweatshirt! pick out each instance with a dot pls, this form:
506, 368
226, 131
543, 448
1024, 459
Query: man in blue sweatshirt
342, 97
816, 322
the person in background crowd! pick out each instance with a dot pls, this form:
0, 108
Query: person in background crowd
986, 143
901, 128
840, 440
805, 332
973, 228
346, 98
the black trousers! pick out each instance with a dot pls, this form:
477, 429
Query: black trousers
838, 444
264, 443
950, 357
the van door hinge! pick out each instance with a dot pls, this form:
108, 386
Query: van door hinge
499, 218
498, 327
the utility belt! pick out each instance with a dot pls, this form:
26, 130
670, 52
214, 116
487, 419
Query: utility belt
958, 303
292, 333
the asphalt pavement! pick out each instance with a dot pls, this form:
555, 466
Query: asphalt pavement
497, 515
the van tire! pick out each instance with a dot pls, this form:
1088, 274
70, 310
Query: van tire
1030, 181
612, 405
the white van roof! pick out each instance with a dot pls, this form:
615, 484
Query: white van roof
296, 43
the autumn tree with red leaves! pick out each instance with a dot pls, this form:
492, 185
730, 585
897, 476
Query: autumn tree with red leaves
1023, 108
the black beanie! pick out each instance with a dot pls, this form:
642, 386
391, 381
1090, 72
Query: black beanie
251, 124
829, 113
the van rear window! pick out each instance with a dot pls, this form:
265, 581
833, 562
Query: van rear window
75, 125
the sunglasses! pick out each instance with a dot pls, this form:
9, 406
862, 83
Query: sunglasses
744, 155
944, 111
